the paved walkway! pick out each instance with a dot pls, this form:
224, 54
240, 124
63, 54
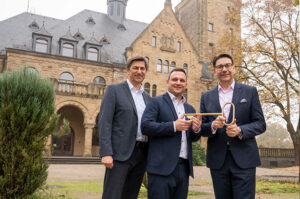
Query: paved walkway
201, 182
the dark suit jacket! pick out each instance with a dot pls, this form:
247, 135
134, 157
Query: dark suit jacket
164, 143
118, 122
249, 117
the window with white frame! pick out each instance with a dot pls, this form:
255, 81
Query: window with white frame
41, 45
92, 54
68, 50
166, 66
158, 67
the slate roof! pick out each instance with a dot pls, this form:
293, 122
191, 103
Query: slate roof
16, 32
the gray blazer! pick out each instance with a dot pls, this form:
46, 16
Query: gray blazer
118, 122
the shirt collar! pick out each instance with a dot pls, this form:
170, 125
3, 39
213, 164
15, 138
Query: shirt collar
131, 87
231, 87
174, 98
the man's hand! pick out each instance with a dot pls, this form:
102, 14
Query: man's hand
107, 161
182, 125
218, 122
197, 121
233, 130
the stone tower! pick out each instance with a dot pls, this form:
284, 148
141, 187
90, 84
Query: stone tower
116, 10
207, 21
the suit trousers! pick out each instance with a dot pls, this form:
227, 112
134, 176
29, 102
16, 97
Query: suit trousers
233, 182
124, 180
173, 186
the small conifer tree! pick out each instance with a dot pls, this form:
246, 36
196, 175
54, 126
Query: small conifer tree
27, 118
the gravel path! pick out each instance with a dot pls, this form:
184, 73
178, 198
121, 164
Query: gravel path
202, 181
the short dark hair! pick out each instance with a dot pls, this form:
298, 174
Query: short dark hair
216, 58
137, 58
177, 70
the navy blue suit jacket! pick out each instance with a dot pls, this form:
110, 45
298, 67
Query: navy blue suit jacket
249, 117
164, 143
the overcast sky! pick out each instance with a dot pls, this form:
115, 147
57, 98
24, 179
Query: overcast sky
139, 10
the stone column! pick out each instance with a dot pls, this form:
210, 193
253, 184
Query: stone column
88, 140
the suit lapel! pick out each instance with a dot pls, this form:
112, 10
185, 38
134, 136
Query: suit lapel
128, 93
145, 97
215, 100
167, 98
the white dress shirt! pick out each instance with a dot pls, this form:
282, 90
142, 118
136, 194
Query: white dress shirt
178, 105
140, 107
225, 96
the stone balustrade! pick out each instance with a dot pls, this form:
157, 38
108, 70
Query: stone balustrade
68, 88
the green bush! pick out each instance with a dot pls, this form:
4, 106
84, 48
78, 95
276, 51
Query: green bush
27, 118
198, 154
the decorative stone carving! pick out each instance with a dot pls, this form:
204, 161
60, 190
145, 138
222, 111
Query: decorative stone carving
167, 43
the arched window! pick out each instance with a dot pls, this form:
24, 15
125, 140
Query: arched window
99, 80
153, 90
92, 54
147, 87
185, 67
158, 68
68, 50
32, 70
153, 41
41, 45
166, 66
173, 65
65, 83
178, 46
185, 93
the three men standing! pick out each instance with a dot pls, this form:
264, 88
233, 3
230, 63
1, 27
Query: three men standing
123, 148
232, 153
170, 160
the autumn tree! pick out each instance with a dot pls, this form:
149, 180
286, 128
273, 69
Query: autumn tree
267, 56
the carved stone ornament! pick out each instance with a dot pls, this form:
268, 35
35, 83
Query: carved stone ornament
167, 43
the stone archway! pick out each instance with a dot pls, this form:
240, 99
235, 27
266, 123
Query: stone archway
74, 143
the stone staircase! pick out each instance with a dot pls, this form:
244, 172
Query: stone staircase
73, 160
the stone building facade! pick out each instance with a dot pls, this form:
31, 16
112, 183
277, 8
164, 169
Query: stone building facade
88, 51
207, 22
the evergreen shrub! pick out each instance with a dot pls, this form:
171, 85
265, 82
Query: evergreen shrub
199, 158
27, 118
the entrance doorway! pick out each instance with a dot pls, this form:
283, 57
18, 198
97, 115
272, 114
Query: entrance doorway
63, 146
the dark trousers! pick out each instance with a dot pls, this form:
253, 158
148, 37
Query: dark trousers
173, 186
232, 182
124, 180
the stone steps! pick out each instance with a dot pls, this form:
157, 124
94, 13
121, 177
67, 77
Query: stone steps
73, 160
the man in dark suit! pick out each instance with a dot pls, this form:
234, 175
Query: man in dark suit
232, 153
123, 148
170, 160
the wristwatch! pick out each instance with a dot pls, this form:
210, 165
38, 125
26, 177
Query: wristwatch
240, 135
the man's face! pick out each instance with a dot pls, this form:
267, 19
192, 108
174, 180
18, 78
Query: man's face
177, 83
224, 70
136, 72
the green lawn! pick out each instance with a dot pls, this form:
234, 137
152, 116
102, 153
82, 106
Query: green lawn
276, 187
77, 189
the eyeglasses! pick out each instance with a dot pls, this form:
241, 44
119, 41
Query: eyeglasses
220, 67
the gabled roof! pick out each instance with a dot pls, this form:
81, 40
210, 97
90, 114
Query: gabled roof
16, 33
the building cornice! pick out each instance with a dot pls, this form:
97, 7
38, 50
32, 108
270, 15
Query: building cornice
63, 58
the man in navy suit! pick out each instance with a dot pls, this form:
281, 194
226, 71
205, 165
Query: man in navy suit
232, 153
170, 160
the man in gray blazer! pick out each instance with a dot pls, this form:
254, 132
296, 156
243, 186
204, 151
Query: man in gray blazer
123, 148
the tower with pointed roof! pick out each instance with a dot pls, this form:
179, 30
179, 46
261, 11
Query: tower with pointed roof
116, 10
